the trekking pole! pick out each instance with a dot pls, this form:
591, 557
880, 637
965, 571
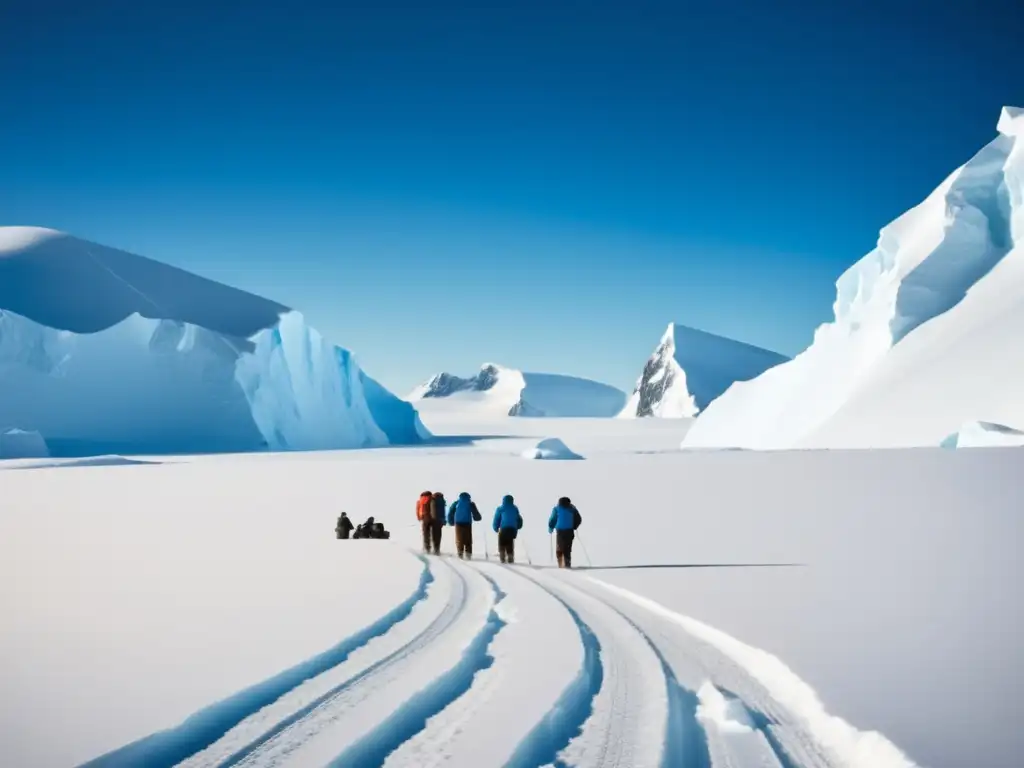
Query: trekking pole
486, 556
590, 564
551, 540
526, 551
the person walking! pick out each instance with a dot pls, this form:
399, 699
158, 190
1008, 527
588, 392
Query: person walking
461, 514
563, 522
423, 514
437, 511
507, 522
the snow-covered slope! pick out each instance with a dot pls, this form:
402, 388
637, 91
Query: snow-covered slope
689, 369
103, 351
497, 390
927, 328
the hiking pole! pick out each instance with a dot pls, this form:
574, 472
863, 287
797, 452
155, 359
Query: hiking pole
590, 564
526, 551
486, 556
551, 540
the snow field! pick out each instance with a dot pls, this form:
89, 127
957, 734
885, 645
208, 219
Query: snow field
225, 569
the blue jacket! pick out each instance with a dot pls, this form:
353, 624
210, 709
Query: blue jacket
463, 511
561, 519
507, 516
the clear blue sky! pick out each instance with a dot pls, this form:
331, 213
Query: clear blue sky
544, 185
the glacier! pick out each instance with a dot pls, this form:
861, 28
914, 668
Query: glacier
500, 391
106, 352
689, 369
926, 329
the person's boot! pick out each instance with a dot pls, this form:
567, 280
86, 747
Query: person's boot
501, 556
561, 560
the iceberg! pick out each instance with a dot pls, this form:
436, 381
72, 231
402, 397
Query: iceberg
984, 434
551, 448
106, 352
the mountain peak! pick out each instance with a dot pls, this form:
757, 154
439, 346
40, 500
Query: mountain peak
690, 368
501, 391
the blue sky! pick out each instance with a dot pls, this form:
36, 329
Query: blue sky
544, 185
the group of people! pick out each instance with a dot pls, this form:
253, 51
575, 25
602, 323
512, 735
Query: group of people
368, 530
433, 512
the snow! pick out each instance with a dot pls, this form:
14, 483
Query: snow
134, 596
103, 352
500, 391
22, 444
550, 448
922, 330
984, 434
689, 369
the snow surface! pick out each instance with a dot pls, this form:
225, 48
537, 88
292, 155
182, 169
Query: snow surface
22, 444
102, 351
689, 369
550, 448
500, 391
134, 596
983, 434
926, 334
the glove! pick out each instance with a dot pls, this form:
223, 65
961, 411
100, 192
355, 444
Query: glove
550, 531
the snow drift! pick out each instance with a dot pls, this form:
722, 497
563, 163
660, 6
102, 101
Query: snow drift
690, 368
103, 351
550, 448
501, 391
984, 434
926, 332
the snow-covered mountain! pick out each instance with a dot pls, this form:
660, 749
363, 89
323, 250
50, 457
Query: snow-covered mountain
500, 391
103, 351
690, 368
927, 330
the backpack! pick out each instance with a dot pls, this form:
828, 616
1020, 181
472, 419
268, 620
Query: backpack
423, 507
436, 509
577, 518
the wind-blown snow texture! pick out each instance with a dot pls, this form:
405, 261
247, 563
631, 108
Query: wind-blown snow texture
927, 328
497, 390
102, 351
690, 368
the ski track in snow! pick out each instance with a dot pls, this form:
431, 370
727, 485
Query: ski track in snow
452, 676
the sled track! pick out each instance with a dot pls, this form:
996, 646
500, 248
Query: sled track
646, 693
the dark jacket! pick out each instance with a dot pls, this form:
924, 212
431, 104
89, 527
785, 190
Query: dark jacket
344, 526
